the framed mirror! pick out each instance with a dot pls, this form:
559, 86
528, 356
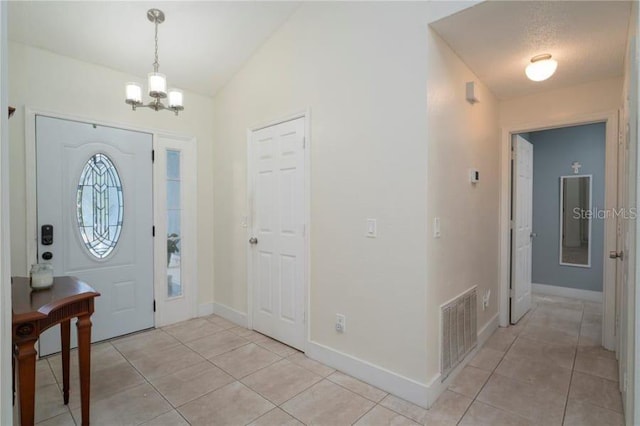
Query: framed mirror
575, 220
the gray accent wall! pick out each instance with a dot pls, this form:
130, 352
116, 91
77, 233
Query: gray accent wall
553, 153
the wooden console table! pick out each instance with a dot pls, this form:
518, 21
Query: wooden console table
35, 311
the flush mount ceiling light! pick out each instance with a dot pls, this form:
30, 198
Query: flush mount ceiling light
541, 67
157, 82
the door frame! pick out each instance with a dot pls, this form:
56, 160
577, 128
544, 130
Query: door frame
306, 114
610, 118
31, 198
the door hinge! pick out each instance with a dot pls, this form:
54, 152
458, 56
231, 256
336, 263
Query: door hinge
153, 155
512, 292
304, 142
153, 231
154, 305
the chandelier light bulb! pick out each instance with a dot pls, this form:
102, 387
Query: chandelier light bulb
175, 98
134, 93
541, 67
157, 85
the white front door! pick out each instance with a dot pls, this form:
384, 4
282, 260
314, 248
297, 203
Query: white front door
521, 231
277, 254
94, 195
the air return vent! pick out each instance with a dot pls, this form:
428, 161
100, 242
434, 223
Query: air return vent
459, 330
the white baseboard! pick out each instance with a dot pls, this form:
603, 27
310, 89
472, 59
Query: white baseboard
205, 309
230, 314
418, 393
553, 290
437, 385
384, 379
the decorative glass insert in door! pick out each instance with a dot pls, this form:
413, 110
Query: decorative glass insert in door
100, 206
174, 207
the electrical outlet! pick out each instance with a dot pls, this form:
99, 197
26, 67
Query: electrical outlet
341, 323
485, 299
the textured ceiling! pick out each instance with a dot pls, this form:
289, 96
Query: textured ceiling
201, 44
497, 39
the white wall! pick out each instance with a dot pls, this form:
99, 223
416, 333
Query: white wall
44, 80
362, 70
461, 137
560, 104
6, 392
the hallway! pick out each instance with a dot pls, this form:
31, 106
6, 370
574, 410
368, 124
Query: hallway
547, 370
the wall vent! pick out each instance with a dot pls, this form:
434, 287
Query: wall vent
459, 330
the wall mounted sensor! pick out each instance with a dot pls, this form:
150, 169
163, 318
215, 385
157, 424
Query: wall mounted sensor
471, 92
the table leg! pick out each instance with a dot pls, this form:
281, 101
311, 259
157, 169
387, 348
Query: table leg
84, 358
65, 337
25, 355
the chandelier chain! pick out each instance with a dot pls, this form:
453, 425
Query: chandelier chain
156, 65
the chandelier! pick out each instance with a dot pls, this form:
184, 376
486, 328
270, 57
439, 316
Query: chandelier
157, 82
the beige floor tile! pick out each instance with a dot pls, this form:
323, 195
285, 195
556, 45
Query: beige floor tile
405, 408
140, 344
560, 303
105, 382
536, 404
276, 347
187, 331
190, 383
501, 339
585, 414
217, 344
547, 321
245, 333
363, 389
448, 409
172, 418
314, 366
469, 381
480, 414
559, 354
161, 363
538, 372
234, 404
595, 390
131, 407
592, 318
245, 360
601, 367
487, 359
593, 307
49, 403
64, 419
281, 381
572, 315
380, 416
592, 332
221, 322
549, 335
594, 349
103, 356
276, 417
44, 375
326, 403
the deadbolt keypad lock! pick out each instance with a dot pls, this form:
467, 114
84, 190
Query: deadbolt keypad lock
46, 235
47, 255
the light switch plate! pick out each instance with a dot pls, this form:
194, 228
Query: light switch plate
372, 228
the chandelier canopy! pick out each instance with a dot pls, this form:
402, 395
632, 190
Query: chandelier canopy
156, 81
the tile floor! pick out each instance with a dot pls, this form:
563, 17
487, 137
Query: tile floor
547, 370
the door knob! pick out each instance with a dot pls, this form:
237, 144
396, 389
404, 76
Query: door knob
616, 254
253, 240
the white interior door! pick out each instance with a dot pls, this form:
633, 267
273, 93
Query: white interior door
94, 188
521, 231
278, 260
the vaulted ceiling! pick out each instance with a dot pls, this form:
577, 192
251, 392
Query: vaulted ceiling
201, 43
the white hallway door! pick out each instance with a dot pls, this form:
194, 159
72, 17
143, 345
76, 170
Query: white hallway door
94, 192
521, 231
277, 245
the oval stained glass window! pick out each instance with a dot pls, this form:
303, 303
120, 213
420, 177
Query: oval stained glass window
100, 206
